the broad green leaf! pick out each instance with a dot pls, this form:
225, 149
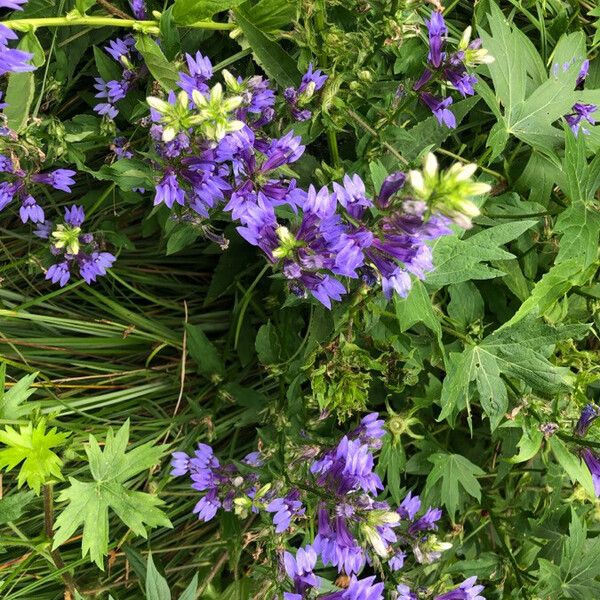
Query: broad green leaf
204, 353
12, 507
573, 465
267, 344
186, 12
466, 304
271, 15
157, 587
162, 70
529, 445
128, 174
107, 67
190, 591
390, 465
89, 502
454, 471
417, 308
458, 260
579, 227
19, 96
12, 400
30, 43
276, 62
182, 236
31, 447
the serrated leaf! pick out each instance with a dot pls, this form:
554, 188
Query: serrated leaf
157, 587
89, 502
579, 227
19, 96
31, 447
12, 507
202, 350
11, 400
458, 260
276, 62
417, 308
161, 69
455, 472
186, 12
574, 467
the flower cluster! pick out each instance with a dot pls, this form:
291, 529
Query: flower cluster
17, 182
12, 60
589, 414
299, 99
353, 526
212, 154
451, 68
73, 249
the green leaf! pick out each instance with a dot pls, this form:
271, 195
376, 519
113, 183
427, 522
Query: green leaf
573, 465
162, 70
466, 304
417, 308
454, 471
183, 236
268, 347
204, 353
128, 174
190, 591
186, 12
390, 465
580, 229
30, 43
157, 587
89, 502
459, 260
276, 62
19, 96
529, 445
12, 507
11, 400
32, 448
106, 66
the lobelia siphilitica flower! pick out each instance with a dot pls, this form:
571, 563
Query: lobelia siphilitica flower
447, 68
12, 60
214, 155
299, 99
589, 414
581, 113
338, 491
74, 251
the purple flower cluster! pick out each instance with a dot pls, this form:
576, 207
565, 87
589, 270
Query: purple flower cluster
12, 60
220, 484
123, 51
589, 414
581, 114
16, 186
449, 67
353, 527
298, 99
73, 249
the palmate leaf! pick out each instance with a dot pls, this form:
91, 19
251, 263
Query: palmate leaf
576, 575
89, 502
12, 400
518, 352
531, 100
31, 447
455, 472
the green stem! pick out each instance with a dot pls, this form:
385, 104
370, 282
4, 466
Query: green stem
93, 21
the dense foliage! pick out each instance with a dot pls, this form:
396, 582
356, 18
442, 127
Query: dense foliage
299, 299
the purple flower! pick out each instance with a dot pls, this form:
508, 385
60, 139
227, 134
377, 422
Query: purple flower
207, 506
200, 71
359, 589
352, 196
466, 591
138, 8
59, 273
43, 230
585, 67
312, 81
581, 113
169, 191
120, 49
12, 60
285, 509
31, 211
12, 4
326, 289
593, 464
337, 546
181, 464
119, 147
253, 459
589, 414
95, 264
321, 203
427, 522
75, 215
7, 193
370, 431
437, 30
391, 184
404, 593
300, 569
6, 164
60, 179
409, 507
461, 80
440, 109
396, 562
